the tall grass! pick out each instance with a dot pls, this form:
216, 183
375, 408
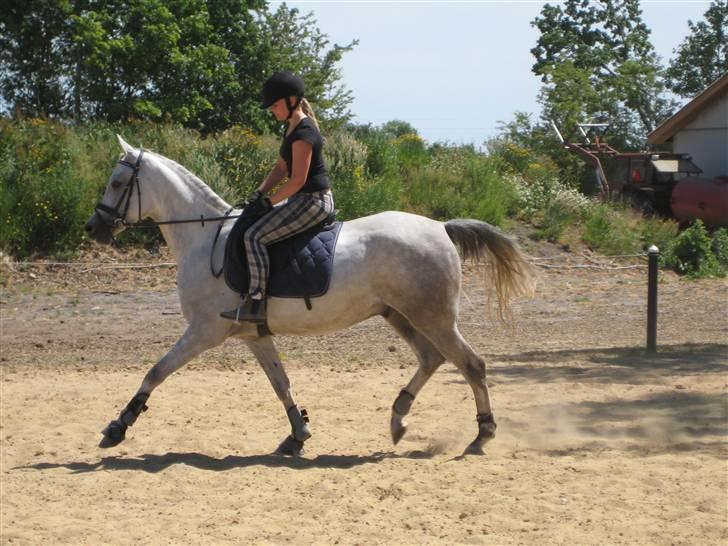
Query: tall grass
45, 188
51, 175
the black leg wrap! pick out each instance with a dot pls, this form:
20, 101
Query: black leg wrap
486, 432
115, 432
486, 419
299, 424
403, 403
134, 409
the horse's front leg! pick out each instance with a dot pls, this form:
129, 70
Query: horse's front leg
266, 353
194, 341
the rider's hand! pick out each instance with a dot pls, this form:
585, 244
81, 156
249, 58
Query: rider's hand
257, 204
254, 196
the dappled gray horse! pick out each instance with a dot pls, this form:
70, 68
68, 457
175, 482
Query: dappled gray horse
403, 267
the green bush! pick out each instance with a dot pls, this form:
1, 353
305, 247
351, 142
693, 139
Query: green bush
691, 253
355, 194
657, 231
473, 188
410, 152
243, 160
43, 200
719, 246
612, 230
565, 208
51, 175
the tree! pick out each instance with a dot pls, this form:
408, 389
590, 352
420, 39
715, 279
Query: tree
702, 57
200, 63
398, 128
33, 38
295, 43
596, 60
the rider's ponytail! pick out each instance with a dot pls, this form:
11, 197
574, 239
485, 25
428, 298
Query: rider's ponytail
309, 112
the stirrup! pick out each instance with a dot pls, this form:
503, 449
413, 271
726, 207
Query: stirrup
248, 310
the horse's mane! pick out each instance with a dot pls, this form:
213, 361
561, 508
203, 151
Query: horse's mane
208, 194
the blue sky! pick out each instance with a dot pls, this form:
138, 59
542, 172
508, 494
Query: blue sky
454, 69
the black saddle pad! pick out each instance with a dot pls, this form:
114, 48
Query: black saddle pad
300, 266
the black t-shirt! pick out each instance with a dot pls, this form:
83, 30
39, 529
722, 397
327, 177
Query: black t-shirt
317, 179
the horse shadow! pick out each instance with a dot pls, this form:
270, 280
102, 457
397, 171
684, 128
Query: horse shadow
154, 464
673, 418
620, 365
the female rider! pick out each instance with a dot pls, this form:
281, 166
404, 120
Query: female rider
301, 202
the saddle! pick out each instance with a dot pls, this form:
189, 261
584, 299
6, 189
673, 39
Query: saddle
300, 266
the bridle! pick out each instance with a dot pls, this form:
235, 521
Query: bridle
119, 211
118, 216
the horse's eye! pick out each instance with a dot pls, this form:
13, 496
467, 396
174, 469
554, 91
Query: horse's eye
115, 184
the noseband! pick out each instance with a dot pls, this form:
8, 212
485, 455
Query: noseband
117, 214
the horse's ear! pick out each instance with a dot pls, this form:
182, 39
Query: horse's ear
124, 144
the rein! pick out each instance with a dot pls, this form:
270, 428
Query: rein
119, 217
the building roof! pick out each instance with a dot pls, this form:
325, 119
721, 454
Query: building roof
689, 112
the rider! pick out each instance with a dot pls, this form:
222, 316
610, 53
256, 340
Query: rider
302, 201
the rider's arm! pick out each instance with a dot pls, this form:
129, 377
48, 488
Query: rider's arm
302, 153
277, 173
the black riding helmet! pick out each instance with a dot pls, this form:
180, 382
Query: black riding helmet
283, 85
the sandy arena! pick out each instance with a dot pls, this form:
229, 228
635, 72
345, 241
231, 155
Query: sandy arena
597, 442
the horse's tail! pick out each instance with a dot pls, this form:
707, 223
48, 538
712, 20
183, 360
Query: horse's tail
511, 274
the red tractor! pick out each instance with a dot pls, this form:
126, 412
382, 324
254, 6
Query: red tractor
666, 183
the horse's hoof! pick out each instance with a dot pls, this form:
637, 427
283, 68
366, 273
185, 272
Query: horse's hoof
114, 434
398, 429
290, 447
475, 448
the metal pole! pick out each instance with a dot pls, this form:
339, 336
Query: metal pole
652, 254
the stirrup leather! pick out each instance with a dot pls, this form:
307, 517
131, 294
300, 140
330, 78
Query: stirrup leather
248, 310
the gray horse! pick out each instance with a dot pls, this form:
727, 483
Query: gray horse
403, 267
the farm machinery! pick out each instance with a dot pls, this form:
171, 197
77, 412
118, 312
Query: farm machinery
665, 183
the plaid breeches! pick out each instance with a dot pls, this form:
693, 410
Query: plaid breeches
300, 212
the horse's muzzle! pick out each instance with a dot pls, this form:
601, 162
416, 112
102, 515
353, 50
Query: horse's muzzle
98, 229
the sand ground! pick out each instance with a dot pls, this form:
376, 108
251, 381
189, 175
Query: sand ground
598, 442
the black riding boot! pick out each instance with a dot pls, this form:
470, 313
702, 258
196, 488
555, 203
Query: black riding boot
248, 310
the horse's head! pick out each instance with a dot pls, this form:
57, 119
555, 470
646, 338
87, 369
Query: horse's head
122, 201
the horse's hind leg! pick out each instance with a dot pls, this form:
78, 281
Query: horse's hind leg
456, 350
267, 355
429, 360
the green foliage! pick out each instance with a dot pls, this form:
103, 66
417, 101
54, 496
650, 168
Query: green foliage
293, 41
33, 41
609, 232
597, 63
473, 187
41, 196
702, 57
657, 231
566, 208
691, 253
244, 160
719, 246
410, 152
398, 128
51, 176
355, 193
196, 63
